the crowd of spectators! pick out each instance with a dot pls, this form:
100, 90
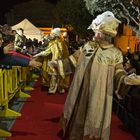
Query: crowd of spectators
9, 55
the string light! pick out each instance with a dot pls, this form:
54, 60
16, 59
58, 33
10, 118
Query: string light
123, 9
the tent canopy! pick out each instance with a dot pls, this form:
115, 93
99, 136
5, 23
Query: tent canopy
30, 31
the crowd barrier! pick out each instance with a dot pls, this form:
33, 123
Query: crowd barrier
127, 111
11, 85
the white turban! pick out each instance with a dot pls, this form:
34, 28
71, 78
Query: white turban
56, 32
106, 23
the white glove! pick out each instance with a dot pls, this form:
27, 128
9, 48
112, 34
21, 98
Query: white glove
132, 80
40, 54
52, 63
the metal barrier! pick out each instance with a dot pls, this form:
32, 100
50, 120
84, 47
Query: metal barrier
25, 72
4, 133
10, 86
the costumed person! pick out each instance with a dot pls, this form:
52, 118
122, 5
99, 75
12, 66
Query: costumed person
45, 76
59, 50
20, 40
88, 106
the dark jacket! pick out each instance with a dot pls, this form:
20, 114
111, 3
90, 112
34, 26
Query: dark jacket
14, 61
1, 52
7, 59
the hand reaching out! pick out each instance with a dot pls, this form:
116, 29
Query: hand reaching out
37, 55
132, 80
35, 64
52, 63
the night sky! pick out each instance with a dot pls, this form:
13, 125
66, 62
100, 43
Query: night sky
6, 5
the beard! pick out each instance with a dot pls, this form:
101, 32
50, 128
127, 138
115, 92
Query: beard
99, 36
102, 37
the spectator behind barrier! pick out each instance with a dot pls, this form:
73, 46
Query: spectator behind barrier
14, 59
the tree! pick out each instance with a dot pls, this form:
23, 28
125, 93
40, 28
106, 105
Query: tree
74, 13
127, 11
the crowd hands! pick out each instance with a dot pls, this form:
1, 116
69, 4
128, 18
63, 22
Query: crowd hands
10, 55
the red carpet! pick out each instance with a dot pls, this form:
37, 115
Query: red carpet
40, 117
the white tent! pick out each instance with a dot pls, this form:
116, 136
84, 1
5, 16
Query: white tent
30, 31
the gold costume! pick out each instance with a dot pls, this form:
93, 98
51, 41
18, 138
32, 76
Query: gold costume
59, 50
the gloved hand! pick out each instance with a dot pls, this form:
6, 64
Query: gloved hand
132, 80
52, 63
37, 55
40, 54
35, 64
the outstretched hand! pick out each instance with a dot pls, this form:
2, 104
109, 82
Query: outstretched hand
52, 63
132, 80
35, 64
37, 55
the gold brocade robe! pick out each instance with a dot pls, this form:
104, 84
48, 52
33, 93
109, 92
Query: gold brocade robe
88, 105
58, 50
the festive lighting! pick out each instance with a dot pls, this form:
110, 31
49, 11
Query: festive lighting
127, 11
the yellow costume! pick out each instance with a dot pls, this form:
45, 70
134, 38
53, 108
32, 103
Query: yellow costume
45, 76
59, 50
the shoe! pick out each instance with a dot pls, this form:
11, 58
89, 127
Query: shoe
50, 93
62, 91
52, 90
